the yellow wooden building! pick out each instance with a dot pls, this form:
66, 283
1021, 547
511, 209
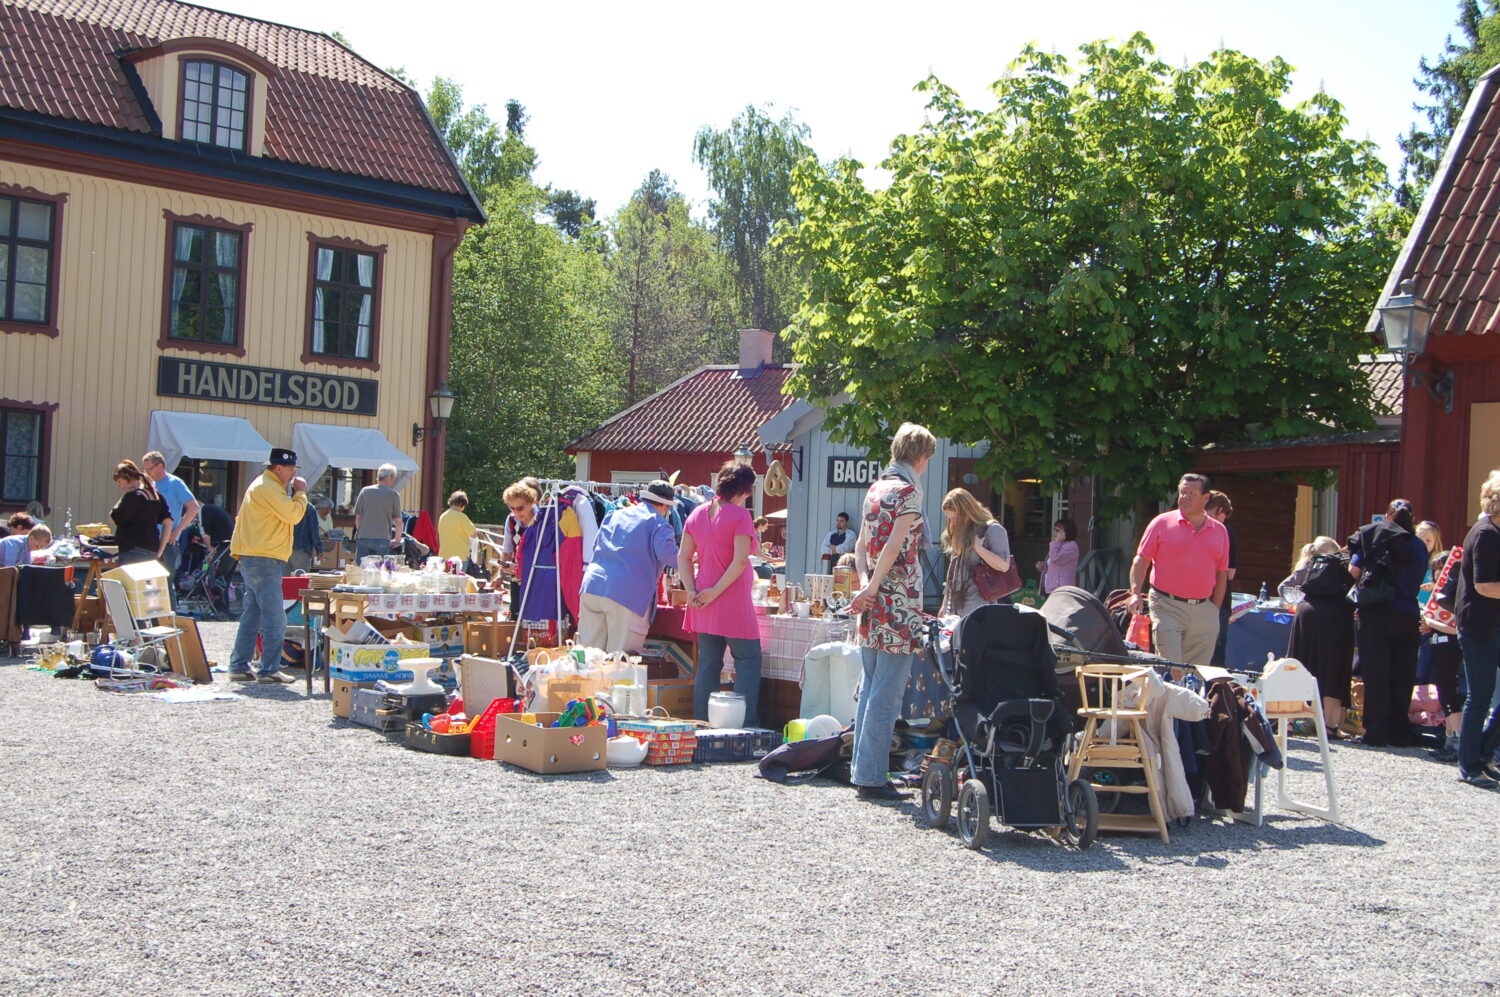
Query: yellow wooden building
217, 235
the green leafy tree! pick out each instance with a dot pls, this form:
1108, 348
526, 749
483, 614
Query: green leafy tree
1112, 268
532, 360
485, 152
1447, 82
675, 302
749, 167
570, 212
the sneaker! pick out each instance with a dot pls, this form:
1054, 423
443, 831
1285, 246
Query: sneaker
275, 678
882, 794
1478, 779
242, 676
1446, 754
1492, 769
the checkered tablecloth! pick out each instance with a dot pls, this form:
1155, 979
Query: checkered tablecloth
434, 602
784, 643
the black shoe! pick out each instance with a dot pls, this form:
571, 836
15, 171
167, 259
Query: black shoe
1446, 754
1492, 769
881, 794
1479, 779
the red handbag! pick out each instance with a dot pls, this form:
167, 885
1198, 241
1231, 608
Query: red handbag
994, 585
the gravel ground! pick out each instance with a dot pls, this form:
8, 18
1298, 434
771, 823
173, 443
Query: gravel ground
258, 846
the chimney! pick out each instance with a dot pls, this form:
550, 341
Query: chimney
755, 351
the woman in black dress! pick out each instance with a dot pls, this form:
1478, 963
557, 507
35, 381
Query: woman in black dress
1323, 629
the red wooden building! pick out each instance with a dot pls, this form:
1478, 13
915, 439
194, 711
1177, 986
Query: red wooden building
694, 425
1451, 420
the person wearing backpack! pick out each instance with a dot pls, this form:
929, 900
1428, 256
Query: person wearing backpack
1388, 564
1323, 629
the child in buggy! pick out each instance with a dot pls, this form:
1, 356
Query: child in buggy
1013, 732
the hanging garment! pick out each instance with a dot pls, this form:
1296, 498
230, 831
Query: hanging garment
570, 553
424, 532
538, 553
1166, 704
588, 520
1226, 768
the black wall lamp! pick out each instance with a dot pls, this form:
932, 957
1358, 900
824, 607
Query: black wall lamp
440, 405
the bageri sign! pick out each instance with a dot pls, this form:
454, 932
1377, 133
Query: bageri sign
224, 382
852, 472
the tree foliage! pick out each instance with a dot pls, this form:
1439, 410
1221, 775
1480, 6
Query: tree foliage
749, 167
532, 361
486, 153
1110, 269
674, 296
1448, 81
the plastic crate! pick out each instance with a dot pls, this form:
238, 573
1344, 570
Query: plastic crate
482, 734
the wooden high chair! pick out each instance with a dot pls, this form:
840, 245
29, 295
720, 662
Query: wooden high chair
1112, 738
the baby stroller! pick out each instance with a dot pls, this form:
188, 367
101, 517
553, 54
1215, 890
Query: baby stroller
207, 588
1013, 733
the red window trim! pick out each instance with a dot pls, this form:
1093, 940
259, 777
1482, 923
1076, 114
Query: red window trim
44, 453
51, 327
165, 340
217, 60
313, 242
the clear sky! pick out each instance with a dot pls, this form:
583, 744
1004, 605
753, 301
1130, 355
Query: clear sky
617, 89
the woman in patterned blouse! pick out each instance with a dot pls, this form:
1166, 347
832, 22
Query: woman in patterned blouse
890, 601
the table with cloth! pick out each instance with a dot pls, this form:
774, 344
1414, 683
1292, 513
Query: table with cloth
1254, 634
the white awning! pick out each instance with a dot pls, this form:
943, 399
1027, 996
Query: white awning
206, 437
320, 447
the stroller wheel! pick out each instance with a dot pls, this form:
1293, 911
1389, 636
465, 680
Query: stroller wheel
973, 814
937, 794
1081, 814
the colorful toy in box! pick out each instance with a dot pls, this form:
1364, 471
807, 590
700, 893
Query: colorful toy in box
580, 713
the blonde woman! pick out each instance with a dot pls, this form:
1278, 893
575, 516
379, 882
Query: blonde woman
1439, 661
1323, 629
971, 536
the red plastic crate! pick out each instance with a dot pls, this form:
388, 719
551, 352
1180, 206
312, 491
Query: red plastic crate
482, 734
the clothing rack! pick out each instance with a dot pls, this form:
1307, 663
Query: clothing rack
551, 489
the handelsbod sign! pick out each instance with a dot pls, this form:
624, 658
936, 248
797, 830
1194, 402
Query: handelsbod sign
237, 384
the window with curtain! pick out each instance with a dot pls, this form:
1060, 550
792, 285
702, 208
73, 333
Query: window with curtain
27, 244
203, 303
344, 291
21, 462
215, 104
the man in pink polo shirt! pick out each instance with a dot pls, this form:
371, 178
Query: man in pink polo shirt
1186, 552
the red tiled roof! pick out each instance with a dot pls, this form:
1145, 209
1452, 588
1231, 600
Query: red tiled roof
325, 107
1386, 389
1451, 258
712, 410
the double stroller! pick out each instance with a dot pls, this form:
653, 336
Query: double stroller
1013, 731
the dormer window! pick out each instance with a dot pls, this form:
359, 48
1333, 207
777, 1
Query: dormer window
215, 104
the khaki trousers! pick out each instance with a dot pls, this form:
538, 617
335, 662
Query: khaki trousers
607, 625
1183, 632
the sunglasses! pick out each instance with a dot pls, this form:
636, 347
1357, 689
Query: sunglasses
518, 508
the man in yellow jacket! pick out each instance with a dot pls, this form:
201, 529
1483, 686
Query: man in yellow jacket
262, 543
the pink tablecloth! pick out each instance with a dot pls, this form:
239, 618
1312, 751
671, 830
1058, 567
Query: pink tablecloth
784, 643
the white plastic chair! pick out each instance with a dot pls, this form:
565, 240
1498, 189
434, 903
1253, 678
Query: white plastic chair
1288, 691
127, 634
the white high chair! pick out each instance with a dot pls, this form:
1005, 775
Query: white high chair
1288, 691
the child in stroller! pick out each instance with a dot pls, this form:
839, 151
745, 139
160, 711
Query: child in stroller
1013, 732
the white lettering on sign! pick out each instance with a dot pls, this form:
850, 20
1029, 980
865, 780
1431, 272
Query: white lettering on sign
262, 386
852, 472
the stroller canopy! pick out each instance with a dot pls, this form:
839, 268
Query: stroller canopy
1087, 623
1003, 653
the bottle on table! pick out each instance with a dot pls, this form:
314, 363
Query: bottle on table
1262, 600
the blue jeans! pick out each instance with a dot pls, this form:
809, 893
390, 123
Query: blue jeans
880, 695
709, 675
1480, 732
372, 548
262, 613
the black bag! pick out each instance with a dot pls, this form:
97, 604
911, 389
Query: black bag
1327, 575
1374, 543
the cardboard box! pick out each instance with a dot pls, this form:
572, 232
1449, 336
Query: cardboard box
446, 640
548, 750
391, 629
489, 640
673, 695
678, 659
343, 695
373, 662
